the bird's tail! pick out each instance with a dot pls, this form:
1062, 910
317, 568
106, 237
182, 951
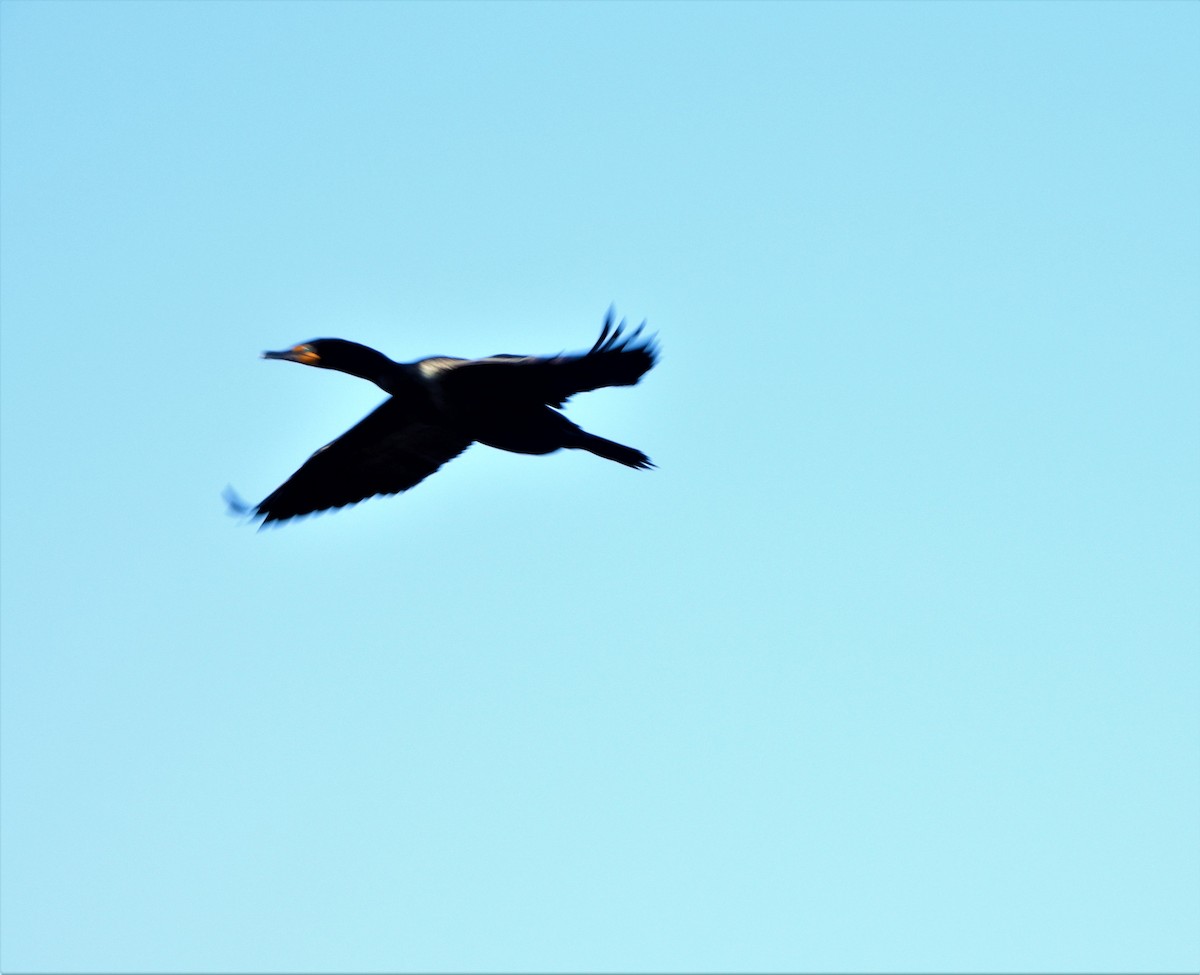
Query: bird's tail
610, 450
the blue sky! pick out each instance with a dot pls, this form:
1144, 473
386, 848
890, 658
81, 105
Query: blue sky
891, 665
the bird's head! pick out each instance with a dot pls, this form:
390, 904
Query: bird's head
323, 353
349, 357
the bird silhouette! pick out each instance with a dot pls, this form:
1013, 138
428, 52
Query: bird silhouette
439, 406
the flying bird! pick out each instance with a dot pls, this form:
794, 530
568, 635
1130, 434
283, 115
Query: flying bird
437, 407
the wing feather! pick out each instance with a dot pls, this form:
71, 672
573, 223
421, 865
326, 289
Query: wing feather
384, 453
615, 359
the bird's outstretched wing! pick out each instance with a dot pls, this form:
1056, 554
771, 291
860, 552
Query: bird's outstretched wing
382, 454
616, 359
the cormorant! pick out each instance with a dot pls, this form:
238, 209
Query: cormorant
439, 406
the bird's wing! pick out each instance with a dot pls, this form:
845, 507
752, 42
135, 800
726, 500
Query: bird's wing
614, 360
385, 453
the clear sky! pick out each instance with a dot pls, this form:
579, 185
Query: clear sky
893, 664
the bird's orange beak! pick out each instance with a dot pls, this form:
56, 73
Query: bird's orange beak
301, 353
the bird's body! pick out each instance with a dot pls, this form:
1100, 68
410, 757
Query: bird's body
439, 406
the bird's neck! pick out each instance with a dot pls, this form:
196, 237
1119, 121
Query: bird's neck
376, 368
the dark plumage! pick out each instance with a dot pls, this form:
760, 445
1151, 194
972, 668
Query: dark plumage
439, 406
